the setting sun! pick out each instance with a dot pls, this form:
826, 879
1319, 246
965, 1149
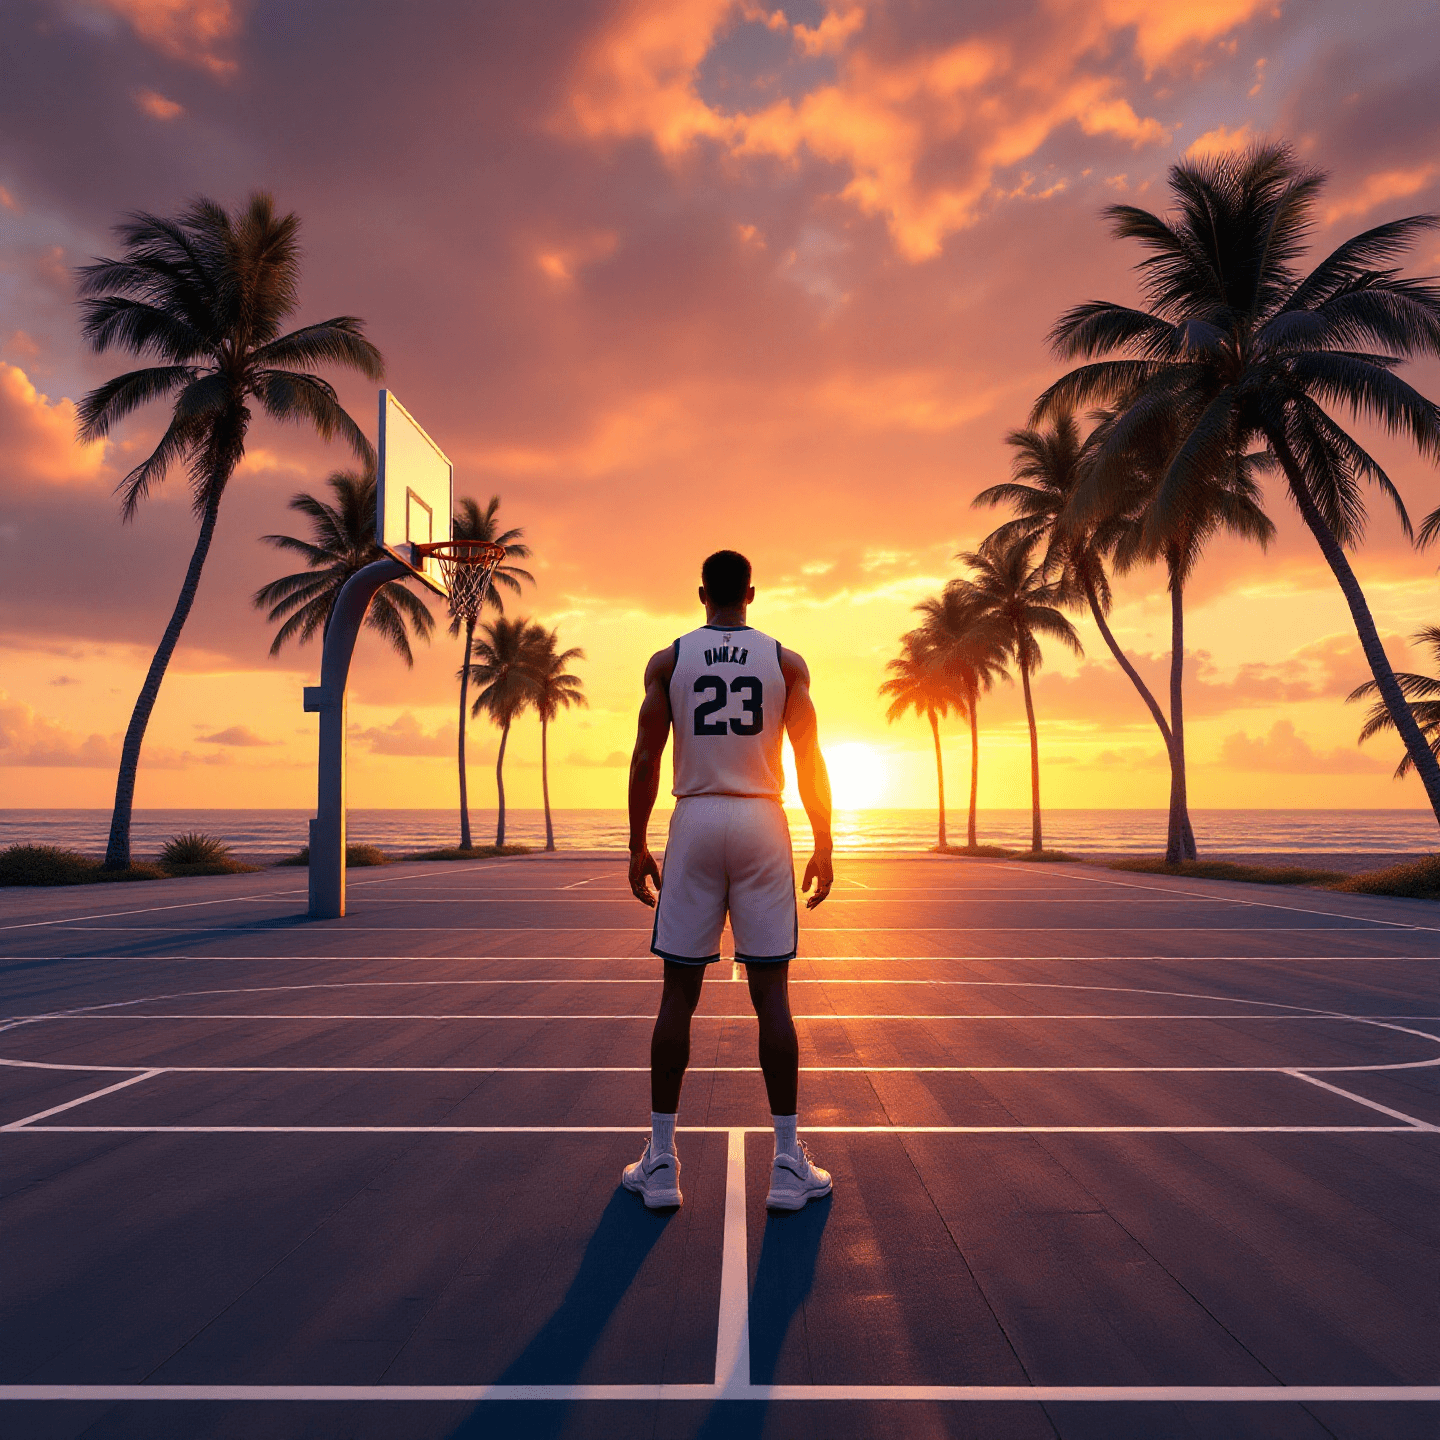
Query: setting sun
857, 775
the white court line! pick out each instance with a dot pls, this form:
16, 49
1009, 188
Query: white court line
1240, 899
698, 1015
959, 1394
728, 1069
732, 1339
1366, 926
223, 900
647, 958
83, 1099
1363, 1100
1376, 1129
629, 899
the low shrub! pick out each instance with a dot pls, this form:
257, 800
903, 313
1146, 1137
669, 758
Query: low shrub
356, 856
475, 852
983, 852
1415, 880
194, 848
54, 865
1229, 870
1043, 857
44, 865
197, 854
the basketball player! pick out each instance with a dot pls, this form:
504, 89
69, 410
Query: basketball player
730, 693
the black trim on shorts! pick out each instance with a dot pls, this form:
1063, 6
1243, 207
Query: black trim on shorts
684, 959
764, 959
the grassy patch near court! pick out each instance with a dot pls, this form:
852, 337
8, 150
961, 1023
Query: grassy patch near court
1000, 852
1229, 870
1415, 880
54, 865
475, 852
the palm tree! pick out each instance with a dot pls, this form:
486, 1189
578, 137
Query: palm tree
1227, 500
1046, 471
1239, 348
342, 542
1014, 595
920, 682
504, 667
555, 690
206, 294
973, 653
470, 522
1422, 693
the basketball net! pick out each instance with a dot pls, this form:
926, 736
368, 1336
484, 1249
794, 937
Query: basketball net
467, 566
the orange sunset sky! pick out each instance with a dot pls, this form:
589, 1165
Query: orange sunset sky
668, 276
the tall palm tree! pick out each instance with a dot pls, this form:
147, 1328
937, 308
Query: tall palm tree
1016, 597
1046, 470
1224, 501
920, 682
504, 667
470, 522
1241, 349
555, 690
972, 651
206, 294
1422, 693
342, 541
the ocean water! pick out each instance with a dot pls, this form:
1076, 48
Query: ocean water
270, 834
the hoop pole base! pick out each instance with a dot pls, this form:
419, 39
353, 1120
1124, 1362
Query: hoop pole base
327, 829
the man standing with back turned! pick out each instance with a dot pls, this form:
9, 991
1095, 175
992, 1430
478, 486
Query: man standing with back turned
731, 694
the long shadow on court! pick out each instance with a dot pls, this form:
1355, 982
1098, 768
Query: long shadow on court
784, 1277
557, 1354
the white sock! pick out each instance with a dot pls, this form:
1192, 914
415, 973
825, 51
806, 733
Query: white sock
785, 1142
662, 1134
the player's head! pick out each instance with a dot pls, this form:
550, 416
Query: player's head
725, 580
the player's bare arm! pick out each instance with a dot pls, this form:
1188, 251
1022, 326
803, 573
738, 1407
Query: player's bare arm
814, 780
652, 733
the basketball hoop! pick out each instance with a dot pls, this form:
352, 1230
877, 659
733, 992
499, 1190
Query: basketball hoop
467, 566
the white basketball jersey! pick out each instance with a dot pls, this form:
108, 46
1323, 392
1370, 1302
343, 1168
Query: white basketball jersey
727, 703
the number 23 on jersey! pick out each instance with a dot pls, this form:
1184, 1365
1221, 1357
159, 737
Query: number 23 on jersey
752, 703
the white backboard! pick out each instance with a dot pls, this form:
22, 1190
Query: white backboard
413, 494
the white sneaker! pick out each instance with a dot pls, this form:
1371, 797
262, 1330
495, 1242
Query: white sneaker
794, 1181
655, 1178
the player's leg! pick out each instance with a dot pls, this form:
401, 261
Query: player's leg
689, 919
670, 1042
764, 919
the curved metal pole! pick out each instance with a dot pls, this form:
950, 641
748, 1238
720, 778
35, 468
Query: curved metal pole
327, 830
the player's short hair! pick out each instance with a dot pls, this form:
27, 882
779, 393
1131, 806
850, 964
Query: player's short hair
726, 577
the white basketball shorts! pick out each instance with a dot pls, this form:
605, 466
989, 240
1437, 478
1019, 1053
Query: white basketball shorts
727, 854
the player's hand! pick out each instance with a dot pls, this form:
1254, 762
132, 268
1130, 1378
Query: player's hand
822, 873
642, 870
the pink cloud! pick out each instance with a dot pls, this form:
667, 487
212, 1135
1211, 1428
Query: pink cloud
1282, 751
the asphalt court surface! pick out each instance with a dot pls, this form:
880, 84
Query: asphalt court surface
1114, 1155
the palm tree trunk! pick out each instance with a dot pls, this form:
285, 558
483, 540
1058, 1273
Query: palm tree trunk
465, 841
1123, 660
1035, 839
1421, 756
974, 763
545, 781
1175, 847
117, 851
939, 772
500, 782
